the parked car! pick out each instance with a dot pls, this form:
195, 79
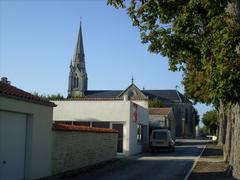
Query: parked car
160, 139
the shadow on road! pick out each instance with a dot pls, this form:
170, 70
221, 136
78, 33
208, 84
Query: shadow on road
181, 151
212, 150
210, 176
125, 169
189, 143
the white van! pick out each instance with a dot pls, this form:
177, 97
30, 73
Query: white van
161, 138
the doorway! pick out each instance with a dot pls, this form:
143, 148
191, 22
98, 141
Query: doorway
119, 128
12, 145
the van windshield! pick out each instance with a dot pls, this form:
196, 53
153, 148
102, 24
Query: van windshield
159, 135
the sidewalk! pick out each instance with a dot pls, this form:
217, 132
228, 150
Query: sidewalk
210, 165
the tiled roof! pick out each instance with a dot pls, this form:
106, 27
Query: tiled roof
159, 111
65, 127
10, 91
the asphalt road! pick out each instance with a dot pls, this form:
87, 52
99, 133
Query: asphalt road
162, 165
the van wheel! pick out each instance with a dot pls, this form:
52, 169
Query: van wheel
169, 149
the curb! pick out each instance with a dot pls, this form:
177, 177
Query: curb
194, 164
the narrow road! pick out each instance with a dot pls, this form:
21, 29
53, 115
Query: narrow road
150, 166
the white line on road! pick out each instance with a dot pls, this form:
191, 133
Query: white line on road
194, 164
155, 158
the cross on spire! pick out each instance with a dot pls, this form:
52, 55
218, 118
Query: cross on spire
132, 80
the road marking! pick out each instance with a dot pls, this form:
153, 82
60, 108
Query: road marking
194, 164
157, 158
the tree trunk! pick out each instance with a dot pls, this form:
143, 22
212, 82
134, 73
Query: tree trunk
227, 146
222, 124
236, 144
231, 158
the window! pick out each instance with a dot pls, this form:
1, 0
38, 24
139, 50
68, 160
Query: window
75, 81
80, 123
160, 135
139, 133
101, 124
64, 122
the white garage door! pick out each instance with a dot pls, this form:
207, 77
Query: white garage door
12, 145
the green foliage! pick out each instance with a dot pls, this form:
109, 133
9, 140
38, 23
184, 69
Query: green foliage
77, 97
49, 97
154, 103
210, 121
199, 37
55, 97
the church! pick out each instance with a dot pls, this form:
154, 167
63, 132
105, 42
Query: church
125, 110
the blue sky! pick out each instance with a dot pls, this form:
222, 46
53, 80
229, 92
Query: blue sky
37, 40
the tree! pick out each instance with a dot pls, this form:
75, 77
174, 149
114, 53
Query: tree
197, 39
155, 103
57, 96
201, 38
210, 121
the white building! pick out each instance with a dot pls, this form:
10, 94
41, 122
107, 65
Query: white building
25, 134
162, 118
130, 118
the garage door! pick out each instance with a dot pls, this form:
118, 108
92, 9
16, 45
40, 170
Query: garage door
12, 145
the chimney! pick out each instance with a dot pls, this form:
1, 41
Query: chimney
5, 80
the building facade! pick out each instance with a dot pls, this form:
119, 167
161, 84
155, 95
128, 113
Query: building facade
184, 112
128, 117
162, 118
91, 107
25, 134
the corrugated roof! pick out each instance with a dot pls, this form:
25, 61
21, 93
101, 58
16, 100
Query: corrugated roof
10, 91
159, 111
65, 127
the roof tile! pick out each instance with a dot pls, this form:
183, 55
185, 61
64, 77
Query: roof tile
13, 92
159, 111
65, 127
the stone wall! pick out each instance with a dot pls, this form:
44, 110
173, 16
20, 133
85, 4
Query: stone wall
77, 149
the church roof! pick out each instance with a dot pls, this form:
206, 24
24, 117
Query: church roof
166, 96
172, 96
102, 93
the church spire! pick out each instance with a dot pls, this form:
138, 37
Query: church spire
77, 84
79, 50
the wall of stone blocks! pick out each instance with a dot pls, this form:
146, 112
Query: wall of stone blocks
75, 149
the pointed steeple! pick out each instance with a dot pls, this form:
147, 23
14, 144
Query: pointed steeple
78, 55
77, 74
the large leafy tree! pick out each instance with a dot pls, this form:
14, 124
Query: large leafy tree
197, 38
201, 38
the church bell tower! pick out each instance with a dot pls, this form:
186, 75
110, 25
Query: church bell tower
77, 82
